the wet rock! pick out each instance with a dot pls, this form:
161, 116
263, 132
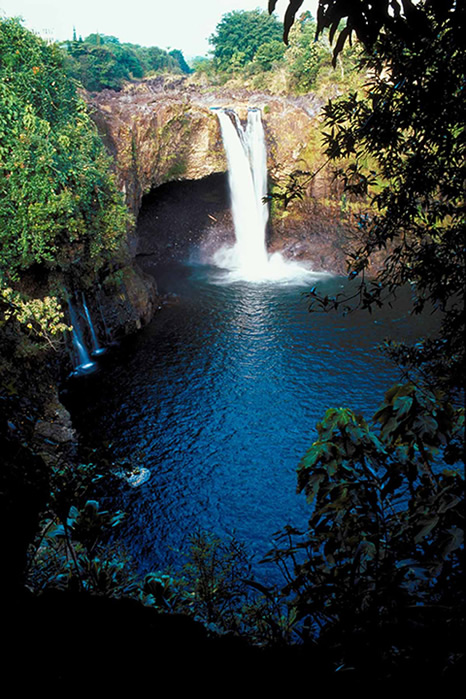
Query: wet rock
54, 436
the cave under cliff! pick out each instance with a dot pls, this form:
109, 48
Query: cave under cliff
183, 220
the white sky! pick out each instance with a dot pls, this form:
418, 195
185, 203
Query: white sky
176, 24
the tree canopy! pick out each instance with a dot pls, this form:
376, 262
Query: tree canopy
367, 19
102, 62
240, 36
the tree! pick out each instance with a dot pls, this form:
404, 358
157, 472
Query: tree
239, 35
101, 62
269, 54
408, 122
304, 55
378, 575
178, 56
60, 209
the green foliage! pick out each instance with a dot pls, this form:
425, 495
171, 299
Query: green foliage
399, 150
43, 318
101, 62
378, 576
201, 64
308, 60
269, 54
179, 58
60, 209
248, 48
215, 587
240, 36
411, 125
72, 550
214, 576
304, 55
384, 550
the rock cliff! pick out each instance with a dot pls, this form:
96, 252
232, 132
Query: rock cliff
164, 130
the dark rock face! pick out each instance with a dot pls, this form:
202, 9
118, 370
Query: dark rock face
183, 220
23, 494
321, 235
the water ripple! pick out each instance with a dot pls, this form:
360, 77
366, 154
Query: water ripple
219, 398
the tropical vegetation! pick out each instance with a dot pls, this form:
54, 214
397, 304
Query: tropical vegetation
378, 573
247, 46
61, 214
376, 580
101, 62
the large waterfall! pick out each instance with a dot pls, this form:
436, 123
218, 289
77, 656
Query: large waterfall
247, 175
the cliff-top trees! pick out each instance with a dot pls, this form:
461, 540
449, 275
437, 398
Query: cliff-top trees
102, 62
242, 36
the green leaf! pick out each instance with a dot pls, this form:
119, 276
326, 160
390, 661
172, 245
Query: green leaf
402, 405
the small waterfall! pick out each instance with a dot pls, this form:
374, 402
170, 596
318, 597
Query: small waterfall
246, 155
84, 363
96, 348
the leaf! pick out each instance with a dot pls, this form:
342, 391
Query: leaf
57, 531
455, 541
392, 392
427, 527
293, 7
448, 503
313, 487
402, 405
383, 414
419, 570
344, 34
319, 451
390, 426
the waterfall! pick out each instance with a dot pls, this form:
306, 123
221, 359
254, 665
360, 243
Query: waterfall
96, 348
258, 158
246, 154
84, 362
247, 177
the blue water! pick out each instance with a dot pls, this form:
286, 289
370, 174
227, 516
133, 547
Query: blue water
219, 398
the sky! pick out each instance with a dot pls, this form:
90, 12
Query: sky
173, 24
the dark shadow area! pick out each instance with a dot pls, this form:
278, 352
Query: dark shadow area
181, 220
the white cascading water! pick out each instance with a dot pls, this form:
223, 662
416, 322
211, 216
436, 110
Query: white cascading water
84, 362
247, 176
96, 348
247, 173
